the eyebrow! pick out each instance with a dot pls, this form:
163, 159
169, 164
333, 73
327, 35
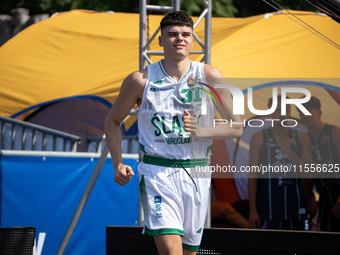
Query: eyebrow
175, 32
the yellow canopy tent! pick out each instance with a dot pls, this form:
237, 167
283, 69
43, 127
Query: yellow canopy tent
64, 72
272, 50
80, 53
86, 55
72, 54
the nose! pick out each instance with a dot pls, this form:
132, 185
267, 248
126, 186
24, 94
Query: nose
180, 37
303, 117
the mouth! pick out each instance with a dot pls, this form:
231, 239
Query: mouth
306, 121
179, 46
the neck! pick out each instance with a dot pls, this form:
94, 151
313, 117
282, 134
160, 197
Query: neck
175, 69
279, 130
315, 129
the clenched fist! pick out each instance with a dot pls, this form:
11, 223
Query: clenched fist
123, 174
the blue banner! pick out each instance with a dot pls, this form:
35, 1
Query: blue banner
44, 192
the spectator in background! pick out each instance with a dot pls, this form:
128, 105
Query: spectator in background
277, 200
325, 146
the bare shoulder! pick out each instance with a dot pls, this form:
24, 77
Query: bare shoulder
304, 138
136, 79
336, 137
133, 85
336, 134
257, 139
335, 130
212, 72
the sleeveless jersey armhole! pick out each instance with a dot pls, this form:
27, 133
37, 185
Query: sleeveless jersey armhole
201, 69
147, 83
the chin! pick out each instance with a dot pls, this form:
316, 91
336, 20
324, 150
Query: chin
308, 124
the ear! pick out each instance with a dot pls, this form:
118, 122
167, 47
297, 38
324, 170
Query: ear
160, 41
320, 113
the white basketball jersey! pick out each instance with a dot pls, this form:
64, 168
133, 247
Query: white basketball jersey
160, 116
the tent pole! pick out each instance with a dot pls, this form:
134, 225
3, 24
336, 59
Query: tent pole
144, 53
83, 201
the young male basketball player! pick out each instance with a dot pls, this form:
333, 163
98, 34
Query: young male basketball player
325, 141
277, 200
175, 134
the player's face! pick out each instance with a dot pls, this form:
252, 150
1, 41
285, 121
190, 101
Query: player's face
277, 113
176, 40
310, 120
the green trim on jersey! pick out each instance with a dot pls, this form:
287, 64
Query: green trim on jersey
142, 148
147, 159
190, 247
165, 231
163, 71
186, 72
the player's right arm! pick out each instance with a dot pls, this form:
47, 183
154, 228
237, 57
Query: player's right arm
131, 93
254, 160
336, 138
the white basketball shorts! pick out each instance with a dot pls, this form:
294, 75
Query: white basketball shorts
174, 199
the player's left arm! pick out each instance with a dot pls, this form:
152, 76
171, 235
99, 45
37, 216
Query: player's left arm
223, 131
305, 158
307, 181
336, 138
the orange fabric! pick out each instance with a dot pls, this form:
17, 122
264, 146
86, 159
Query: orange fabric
80, 53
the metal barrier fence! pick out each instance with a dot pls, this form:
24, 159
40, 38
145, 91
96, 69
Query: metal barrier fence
21, 135
130, 144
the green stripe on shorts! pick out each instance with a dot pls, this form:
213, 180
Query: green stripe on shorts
164, 231
147, 159
190, 247
143, 195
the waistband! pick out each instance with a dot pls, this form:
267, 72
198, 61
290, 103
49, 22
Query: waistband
158, 161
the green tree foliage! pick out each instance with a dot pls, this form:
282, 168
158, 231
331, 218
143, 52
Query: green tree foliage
221, 8
253, 7
53, 6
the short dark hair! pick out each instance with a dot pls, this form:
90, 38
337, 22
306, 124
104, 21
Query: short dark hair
312, 103
270, 101
177, 18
